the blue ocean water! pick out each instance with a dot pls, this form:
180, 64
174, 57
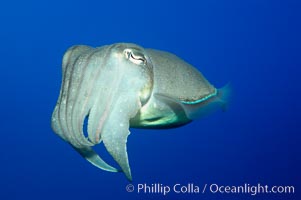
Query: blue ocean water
253, 45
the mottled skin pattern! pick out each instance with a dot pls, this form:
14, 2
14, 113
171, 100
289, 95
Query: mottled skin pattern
121, 86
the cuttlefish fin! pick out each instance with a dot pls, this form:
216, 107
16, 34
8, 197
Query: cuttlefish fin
90, 155
224, 95
199, 108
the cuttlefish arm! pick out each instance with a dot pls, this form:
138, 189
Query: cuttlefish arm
107, 86
90, 155
115, 139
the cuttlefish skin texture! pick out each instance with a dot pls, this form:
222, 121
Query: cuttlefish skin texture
123, 85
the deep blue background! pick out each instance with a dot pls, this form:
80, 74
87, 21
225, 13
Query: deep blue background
254, 45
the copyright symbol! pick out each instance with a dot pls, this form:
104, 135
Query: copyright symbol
129, 188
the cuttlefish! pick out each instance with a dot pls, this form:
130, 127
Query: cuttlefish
123, 85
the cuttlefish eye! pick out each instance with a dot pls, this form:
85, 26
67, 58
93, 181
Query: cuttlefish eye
135, 56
